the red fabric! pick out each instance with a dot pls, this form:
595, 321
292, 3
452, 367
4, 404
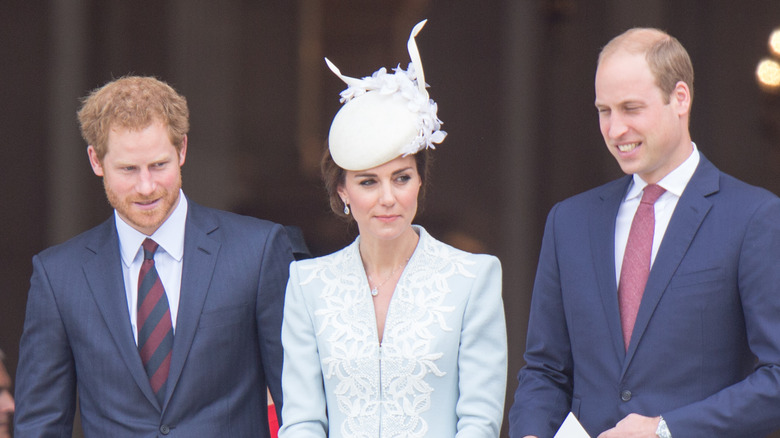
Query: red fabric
636, 261
273, 422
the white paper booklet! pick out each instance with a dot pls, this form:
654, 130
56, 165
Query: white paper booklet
571, 428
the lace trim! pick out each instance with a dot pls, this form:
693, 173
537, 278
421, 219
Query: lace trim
387, 383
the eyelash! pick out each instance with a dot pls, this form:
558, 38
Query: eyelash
154, 166
401, 179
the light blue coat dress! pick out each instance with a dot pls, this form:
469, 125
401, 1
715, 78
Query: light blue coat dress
440, 370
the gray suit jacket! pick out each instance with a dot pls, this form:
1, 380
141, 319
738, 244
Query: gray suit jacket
227, 347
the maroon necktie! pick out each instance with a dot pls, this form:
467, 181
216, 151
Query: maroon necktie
155, 331
636, 260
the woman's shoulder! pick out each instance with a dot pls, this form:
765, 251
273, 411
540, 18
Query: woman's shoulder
437, 248
333, 261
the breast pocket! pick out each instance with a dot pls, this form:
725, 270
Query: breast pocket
695, 294
703, 279
225, 316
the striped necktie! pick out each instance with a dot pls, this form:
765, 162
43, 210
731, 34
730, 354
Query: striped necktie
155, 330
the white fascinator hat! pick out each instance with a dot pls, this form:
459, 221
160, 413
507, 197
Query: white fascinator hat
384, 115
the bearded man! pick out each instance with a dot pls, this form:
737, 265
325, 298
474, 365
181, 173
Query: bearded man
166, 318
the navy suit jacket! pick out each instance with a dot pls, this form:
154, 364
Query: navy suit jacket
705, 351
227, 345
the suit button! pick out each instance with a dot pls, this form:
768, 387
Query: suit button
625, 395
164, 429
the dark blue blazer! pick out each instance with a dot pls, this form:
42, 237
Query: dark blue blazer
705, 352
227, 347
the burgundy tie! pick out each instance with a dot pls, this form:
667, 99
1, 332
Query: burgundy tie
155, 331
636, 260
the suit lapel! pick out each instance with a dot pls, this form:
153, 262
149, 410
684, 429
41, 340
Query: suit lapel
688, 216
200, 256
103, 270
602, 233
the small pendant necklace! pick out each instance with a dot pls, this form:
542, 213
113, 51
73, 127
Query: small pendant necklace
375, 289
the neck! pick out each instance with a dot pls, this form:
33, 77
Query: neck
382, 256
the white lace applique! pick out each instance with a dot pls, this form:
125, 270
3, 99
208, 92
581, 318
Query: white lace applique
346, 321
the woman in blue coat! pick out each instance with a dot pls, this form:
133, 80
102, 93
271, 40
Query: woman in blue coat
398, 334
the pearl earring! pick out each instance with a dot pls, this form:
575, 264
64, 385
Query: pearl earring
346, 209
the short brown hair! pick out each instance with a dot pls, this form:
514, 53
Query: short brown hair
132, 102
667, 58
334, 177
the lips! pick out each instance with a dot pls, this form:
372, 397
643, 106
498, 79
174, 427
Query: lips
148, 203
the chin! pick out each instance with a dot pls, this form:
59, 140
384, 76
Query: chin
394, 233
629, 167
146, 221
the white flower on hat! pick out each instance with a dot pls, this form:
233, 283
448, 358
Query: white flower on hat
384, 115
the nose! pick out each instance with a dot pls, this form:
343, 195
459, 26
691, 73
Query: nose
145, 184
615, 126
386, 196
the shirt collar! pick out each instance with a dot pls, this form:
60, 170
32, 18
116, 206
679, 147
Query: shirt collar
170, 235
674, 182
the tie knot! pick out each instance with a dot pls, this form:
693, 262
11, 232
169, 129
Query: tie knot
150, 246
651, 193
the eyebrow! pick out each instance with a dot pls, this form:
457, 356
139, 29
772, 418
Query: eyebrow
373, 175
621, 103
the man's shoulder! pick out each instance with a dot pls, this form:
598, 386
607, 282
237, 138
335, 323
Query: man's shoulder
237, 230
84, 241
724, 189
225, 219
594, 197
739, 189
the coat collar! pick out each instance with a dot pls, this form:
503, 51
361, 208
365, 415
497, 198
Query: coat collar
201, 249
602, 236
692, 208
103, 271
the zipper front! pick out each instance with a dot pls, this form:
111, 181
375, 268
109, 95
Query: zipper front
381, 385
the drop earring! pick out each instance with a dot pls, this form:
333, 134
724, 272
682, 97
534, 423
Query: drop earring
346, 209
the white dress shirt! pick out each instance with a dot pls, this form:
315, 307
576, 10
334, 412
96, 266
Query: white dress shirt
167, 259
674, 183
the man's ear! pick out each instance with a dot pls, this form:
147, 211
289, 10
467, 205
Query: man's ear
94, 161
681, 97
183, 151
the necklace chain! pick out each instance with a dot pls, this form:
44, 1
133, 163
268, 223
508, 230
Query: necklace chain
375, 289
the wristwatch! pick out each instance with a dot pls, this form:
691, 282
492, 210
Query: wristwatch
662, 431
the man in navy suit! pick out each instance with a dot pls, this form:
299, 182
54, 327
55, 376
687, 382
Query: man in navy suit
703, 356
218, 277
